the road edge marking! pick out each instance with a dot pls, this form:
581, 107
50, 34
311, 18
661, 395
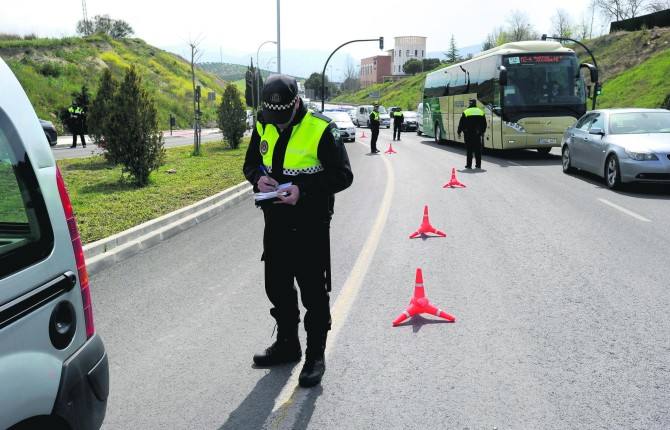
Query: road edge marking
624, 210
291, 394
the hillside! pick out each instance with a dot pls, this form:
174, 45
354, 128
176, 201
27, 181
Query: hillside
228, 71
51, 69
634, 67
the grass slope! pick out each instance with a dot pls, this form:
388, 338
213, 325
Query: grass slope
406, 93
51, 69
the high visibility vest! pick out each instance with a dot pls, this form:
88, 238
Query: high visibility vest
75, 110
397, 113
473, 111
375, 115
301, 152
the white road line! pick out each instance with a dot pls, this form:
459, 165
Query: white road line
516, 164
624, 210
291, 395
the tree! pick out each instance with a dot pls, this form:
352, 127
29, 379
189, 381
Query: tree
98, 117
351, 77
104, 24
412, 67
658, 5
134, 139
619, 10
232, 116
583, 29
562, 23
496, 38
196, 55
519, 27
314, 83
430, 63
452, 54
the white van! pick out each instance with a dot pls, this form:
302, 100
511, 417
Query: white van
363, 116
54, 372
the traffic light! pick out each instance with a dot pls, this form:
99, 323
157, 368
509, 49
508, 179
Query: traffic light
598, 88
197, 93
381, 43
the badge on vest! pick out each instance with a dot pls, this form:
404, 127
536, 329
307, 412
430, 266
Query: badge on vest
264, 147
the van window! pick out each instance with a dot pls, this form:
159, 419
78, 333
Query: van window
26, 236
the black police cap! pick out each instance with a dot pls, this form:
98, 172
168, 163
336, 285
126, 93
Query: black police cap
280, 94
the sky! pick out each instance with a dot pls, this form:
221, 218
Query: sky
310, 30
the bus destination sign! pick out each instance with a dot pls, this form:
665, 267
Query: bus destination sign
535, 59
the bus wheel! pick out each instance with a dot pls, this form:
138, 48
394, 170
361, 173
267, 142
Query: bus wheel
418, 132
437, 134
544, 151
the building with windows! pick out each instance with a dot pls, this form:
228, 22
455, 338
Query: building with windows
373, 69
407, 48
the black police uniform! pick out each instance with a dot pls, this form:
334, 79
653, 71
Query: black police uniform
374, 130
397, 124
473, 125
296, 242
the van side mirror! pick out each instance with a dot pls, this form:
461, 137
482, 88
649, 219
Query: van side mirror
598, 131
502, 78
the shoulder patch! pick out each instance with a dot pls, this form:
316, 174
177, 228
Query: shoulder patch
335, 132
321, 116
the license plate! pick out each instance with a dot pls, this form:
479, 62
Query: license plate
549, 141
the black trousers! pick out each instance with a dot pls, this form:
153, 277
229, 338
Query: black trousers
396, 129
373, 139
474, 145
295, 251
74, 140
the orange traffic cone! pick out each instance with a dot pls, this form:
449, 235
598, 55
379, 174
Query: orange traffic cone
390, 150
453, 182
419, 304
426, 227
363, 136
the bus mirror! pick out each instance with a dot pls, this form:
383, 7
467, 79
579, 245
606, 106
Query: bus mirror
588, 91
593, 71
503, 75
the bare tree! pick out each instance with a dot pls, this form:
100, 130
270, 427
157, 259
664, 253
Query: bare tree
196, 55
351, 77
636, 7
562, 23
619, 10
520, 27
496, 38
583, 28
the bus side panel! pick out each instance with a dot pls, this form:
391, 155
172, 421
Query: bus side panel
496, 132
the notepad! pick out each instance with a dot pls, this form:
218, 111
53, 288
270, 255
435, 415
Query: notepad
273, 194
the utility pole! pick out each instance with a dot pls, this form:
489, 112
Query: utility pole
278, 39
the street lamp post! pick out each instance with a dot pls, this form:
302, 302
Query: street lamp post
258, 65
323, 73
278, 43
594, 70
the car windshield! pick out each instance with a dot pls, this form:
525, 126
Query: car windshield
409, 114
543, 80
382, 109
640, 122
338, 116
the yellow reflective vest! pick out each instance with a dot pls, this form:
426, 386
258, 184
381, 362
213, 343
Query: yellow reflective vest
473, 111
301, 151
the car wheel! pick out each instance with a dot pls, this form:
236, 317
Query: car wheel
544, 151
368, 123
418, 132
612, 172
567, 162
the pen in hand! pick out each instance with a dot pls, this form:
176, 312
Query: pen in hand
266, 183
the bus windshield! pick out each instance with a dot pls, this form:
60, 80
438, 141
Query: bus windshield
536, 80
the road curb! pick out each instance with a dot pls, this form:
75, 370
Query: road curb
121, 246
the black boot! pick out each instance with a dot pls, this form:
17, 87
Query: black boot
286, 349
315, 360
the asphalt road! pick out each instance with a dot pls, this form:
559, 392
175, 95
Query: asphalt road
559, 287
180, 138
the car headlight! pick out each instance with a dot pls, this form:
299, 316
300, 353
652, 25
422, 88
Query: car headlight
641, 156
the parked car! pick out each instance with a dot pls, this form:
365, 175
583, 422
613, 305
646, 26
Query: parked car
419, 119
410, 121
363, 116
620, 145
352, 115
250, 119
344, 124
50, 132
53, 365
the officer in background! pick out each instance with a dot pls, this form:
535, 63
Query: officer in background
473, 125
292, 144
398, 119
374, 128
76, 124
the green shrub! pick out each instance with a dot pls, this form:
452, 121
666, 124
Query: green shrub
134, 139
99, 125
232, 116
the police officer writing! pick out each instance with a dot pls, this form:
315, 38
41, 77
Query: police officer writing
473, 125
398, 119
374, 128
292, 144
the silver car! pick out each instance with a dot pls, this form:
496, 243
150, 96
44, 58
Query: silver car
54, 371
620, 145
344, 125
